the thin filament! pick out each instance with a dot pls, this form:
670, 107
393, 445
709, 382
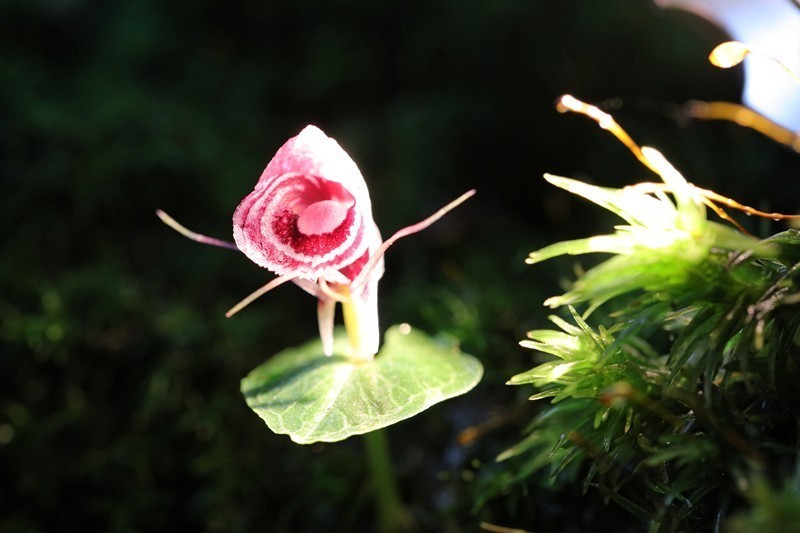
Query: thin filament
605, 121
172, 223
709, 197
780, 63
408, 230
309, 286
746, 117
257, 294
660, 188
330, 293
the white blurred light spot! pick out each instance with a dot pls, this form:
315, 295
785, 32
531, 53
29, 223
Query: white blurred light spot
770, 27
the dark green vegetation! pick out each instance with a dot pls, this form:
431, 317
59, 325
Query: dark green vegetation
678, 400
119, 375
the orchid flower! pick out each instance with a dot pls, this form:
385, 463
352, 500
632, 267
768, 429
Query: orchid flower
309, 221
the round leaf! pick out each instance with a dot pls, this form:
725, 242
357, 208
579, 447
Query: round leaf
312, 397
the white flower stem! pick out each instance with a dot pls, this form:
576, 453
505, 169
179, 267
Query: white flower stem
353, 329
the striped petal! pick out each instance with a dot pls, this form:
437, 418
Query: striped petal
309, 212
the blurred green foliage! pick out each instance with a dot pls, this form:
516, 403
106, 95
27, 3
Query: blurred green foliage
773, 508
119, 401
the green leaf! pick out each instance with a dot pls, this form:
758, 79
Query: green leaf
311, 397
633, 508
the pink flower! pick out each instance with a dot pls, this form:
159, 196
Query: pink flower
310, 214
309, 220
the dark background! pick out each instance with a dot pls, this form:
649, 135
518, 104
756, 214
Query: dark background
119, 375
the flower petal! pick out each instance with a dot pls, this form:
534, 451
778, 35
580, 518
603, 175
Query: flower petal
322, 217
308, 213
313, 153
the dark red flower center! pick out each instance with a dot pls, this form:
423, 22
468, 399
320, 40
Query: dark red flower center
286, 228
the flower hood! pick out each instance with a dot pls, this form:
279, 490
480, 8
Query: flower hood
309, 215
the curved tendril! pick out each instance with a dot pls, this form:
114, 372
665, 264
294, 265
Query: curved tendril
721, 213
661, 188
309, 286
731, 53
172, 223
329, 292
362, 277
257, 294
708, 197
607, 122
745, 117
